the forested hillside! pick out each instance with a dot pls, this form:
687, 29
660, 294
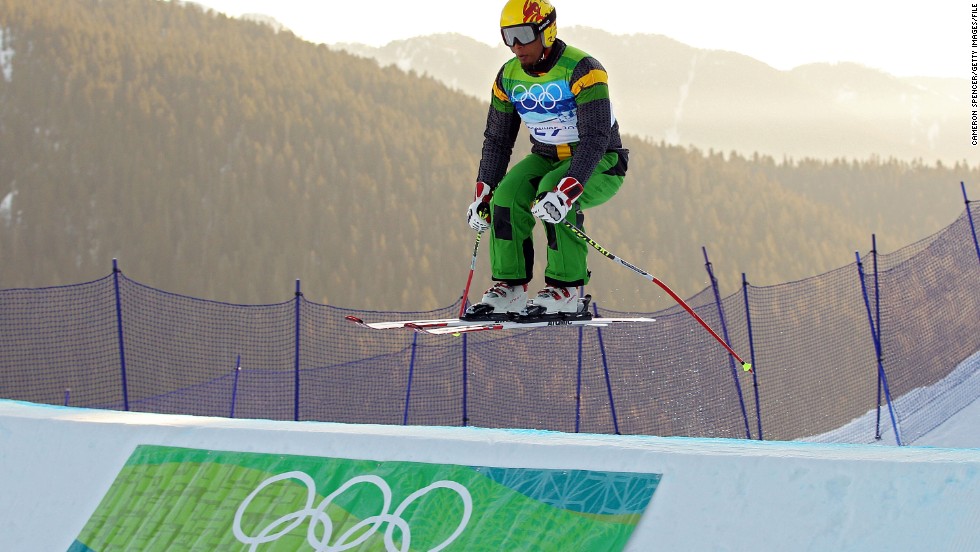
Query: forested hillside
220, 159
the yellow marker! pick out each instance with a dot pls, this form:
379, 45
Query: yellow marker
747, 367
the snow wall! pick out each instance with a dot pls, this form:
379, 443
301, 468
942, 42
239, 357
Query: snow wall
80, 480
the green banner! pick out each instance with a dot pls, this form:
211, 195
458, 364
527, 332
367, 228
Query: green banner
173, 499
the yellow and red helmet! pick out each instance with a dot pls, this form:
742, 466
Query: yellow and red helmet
525, 20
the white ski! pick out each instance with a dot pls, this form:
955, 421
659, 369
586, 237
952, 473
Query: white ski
467, 326
403, 323
442, 326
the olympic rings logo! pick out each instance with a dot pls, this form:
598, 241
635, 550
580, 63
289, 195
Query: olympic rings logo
318, 516
538, 95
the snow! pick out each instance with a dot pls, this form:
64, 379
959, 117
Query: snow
7, 208
959, 387
960, 431
672, 134
6, 56
57, 463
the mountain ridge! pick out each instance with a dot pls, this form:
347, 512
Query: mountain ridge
724, 100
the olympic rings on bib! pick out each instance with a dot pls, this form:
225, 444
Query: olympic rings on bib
537, 95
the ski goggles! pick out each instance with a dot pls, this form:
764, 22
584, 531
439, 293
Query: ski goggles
525, 33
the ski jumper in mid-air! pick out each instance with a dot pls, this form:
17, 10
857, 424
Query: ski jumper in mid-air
577, 161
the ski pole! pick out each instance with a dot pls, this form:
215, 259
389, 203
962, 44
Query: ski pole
469, 279
605, 252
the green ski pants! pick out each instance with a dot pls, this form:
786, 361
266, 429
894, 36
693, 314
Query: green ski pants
511, 243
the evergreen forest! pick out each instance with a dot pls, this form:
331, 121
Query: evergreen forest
223, 159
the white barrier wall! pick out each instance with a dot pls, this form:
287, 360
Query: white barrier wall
56, 464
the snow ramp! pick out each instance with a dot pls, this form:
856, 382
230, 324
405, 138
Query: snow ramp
91, 480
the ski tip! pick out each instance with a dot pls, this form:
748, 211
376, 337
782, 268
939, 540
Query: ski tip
746, 367
354, 319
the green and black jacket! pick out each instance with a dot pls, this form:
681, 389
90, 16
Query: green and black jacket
563, 102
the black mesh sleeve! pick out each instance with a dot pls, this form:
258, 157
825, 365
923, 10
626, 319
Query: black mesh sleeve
595, 128
498, 141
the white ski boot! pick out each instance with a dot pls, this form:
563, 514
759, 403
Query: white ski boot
501, 301
553, 300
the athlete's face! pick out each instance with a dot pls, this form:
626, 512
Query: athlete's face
528, 54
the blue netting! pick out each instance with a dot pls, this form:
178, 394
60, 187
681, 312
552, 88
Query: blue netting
115, 343
815, 359
929, 323
58, 341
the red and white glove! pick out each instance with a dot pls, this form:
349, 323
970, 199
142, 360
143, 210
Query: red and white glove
554, 205
478, 214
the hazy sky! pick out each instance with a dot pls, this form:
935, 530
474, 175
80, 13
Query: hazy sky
905, 38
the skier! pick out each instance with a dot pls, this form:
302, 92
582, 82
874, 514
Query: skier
577, 161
